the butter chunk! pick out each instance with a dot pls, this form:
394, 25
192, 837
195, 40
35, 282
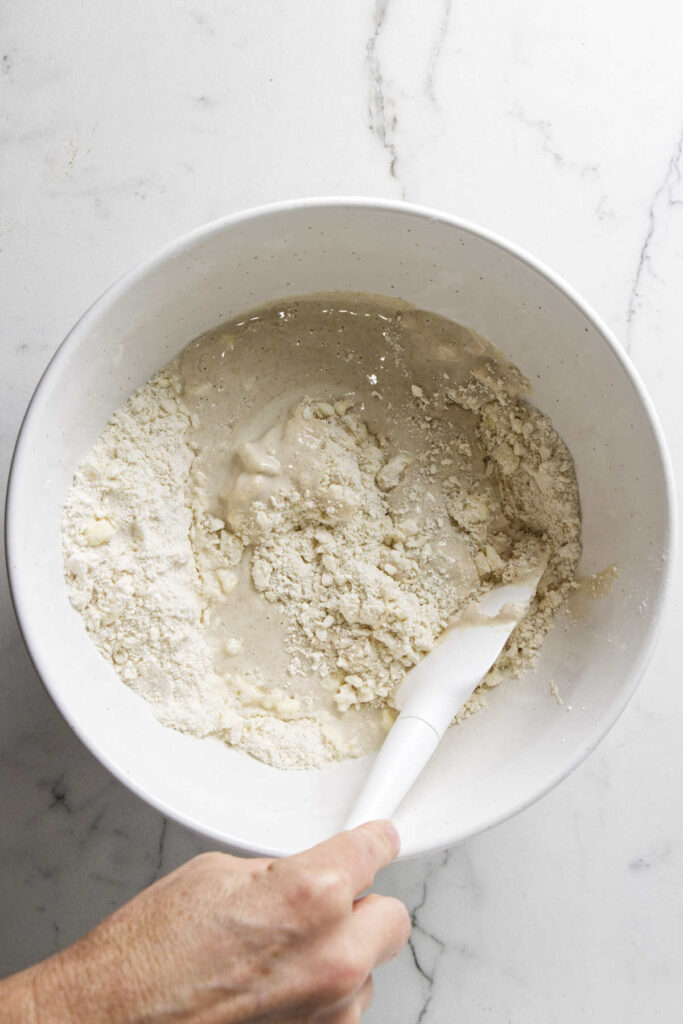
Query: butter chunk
227, 580
100, 531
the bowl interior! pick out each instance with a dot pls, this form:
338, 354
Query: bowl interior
524, 741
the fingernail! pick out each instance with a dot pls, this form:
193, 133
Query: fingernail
392, 832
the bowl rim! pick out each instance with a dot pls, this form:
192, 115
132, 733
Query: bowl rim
21, 453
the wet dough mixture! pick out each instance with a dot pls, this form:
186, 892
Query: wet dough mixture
282, 522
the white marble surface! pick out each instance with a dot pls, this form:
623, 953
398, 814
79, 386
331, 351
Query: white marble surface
561, 126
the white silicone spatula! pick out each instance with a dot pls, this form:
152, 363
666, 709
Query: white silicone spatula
434, 691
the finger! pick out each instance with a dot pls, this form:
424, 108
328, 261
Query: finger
364, 997
381, 924
358, 854
353, 1008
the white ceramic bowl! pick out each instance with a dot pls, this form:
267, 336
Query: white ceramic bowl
523, 743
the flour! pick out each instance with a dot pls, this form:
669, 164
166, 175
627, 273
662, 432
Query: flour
136, 587
276, 527
536, 494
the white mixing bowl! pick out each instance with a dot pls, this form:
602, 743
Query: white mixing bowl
524, 742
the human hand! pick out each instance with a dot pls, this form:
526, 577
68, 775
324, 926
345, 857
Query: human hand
224, 940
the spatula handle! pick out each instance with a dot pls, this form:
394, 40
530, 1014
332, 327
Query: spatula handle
405, 752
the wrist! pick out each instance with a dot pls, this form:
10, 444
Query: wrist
37, 995
18, 998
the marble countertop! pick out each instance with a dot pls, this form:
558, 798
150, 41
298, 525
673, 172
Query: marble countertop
559, 126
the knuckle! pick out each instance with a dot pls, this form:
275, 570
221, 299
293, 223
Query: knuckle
346, 972
330, 890
322, 891
374, 839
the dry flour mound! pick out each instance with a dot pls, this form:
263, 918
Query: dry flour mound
129, 560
